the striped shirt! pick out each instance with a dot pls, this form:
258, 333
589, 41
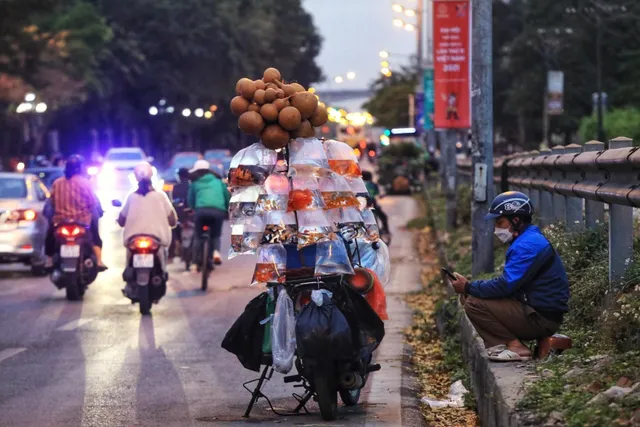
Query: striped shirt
73, 200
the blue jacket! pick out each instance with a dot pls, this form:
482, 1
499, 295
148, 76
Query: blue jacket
522, 279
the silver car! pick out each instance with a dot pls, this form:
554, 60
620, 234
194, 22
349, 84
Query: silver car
23, 228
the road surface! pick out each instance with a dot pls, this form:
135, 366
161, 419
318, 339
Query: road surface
99, 363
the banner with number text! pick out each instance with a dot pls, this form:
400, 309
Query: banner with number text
452, 64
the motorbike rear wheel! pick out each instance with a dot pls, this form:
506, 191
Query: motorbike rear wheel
326, 392
145, 300
204, 268
73, 287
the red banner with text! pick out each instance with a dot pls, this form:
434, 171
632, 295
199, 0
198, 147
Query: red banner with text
452, 64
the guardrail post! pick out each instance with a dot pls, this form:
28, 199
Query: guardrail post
559, 201
546, 198
574, 204
620, 230
593, 211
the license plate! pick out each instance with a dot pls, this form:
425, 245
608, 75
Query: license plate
143, 261
69, 251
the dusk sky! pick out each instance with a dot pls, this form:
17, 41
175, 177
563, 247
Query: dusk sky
354, 31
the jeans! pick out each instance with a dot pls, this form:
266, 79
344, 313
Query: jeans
213, 218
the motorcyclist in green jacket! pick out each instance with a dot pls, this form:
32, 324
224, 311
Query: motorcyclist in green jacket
209, 198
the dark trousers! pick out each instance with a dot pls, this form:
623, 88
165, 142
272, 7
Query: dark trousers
499, 321
213, 218
383, 216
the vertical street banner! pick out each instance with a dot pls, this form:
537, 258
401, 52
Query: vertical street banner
452, 64
555, 93
427, 85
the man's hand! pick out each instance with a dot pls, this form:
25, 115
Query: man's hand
460, 283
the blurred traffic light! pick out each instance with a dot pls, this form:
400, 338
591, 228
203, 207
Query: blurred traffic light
387, 132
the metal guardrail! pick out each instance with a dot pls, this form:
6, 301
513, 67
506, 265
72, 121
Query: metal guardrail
572, 184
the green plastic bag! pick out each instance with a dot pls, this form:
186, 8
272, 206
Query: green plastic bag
271, 308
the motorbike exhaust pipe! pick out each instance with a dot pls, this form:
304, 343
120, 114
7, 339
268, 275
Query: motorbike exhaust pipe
350, 381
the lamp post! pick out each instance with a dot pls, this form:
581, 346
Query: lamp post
32, 111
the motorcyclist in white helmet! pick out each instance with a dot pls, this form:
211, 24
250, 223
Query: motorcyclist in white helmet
147, 211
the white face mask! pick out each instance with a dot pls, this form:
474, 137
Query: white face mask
503, 234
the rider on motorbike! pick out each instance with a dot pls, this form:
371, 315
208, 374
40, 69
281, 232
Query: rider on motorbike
374, 191
147, 211
209, 198
73, 199
179, 194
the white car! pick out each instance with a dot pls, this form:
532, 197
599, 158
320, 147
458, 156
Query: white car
118, 165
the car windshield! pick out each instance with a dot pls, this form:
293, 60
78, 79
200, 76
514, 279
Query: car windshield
125, 156
184, 161
218, 154
13, 188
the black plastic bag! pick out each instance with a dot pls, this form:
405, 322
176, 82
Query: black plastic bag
366, 326
244, 339
323, 333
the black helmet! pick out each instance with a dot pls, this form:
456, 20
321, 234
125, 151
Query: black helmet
367, 175
73, 166
511, 203
183, 175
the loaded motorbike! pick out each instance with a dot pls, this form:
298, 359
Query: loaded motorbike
74, 262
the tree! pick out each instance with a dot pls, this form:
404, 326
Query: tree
390, 102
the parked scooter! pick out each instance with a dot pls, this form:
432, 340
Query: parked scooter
74, 262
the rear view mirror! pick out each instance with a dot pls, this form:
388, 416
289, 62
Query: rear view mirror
116, 203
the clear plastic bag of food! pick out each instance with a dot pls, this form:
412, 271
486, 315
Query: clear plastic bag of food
275, 194
313, 227
251, 166
243, 203
305, 194
271, 265
280, 227
342, 159
357, 186
336, 192
371, 225
252, 234
283, 333
307, 157
237, 231
332, 258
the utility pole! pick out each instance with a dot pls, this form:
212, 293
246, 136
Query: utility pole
482, 134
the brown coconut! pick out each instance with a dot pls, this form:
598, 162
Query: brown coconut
251, 123
305, 102
260, 84
269, 113
254, 107
274, 137
290, 118
271, 75
305, 130
240, 83
259, 97
239, 105
270, 95
247, 89
281, 103
319, 116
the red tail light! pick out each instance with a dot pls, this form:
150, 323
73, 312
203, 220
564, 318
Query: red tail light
22, 215
143, 244
372, 153
70, 231
205, 228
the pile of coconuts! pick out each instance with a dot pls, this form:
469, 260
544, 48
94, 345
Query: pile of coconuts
275, 111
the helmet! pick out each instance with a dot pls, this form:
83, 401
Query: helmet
511, 203
367, 175
143, 172
200, 165
183, 175
73, 165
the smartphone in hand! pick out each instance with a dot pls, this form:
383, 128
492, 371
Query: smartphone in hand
449, 274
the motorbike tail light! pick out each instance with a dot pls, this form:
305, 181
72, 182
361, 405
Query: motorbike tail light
205, 228
372, 153
18, 215
71, 231
144, 244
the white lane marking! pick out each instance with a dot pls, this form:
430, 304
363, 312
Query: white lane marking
74, 324
10, 352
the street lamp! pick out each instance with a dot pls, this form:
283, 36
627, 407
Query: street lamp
383, 54
199, 112
397, 22
409, 27
410, 13
30, 97
186, 112
153, 111
41, 107
351, 75
397, 8
338, 79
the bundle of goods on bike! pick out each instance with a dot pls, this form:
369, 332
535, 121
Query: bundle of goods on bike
301, 207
